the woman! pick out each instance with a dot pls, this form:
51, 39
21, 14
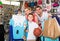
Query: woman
27, 11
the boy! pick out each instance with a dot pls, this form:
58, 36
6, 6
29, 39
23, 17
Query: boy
31, 25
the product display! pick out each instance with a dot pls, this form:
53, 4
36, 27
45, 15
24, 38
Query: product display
55, 5
7, 12
1, 15
52, 1
26, 4
31, 4
56, 0
39, 2
47, 1
35, 3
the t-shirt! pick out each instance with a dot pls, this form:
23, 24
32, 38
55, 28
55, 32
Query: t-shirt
18, 19
42, 18
17, 23
32, 26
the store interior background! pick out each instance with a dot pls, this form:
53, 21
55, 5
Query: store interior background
10, 7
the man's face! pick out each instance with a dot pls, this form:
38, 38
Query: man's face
27, 11
38, 10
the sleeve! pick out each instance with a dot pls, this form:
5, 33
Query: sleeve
25, 23
11, 22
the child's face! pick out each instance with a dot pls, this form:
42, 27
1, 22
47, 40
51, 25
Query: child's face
30, 17
19, 12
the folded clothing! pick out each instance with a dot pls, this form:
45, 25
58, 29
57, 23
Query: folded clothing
55, 4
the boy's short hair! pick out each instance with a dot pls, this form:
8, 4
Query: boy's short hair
38, 7
19, 10
30, 14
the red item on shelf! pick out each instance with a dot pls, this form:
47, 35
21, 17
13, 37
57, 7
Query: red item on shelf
1, 6
26, 4
39, 2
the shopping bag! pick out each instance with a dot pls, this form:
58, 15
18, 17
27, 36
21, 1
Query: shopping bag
57, 28
51, 28
48, 28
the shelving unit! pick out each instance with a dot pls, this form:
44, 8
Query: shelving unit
8, 12
1, 15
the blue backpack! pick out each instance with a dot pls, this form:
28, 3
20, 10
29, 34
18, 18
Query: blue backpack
18, 31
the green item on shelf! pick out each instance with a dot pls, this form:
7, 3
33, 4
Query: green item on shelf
1, 3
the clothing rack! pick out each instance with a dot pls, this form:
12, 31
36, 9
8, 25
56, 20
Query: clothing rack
55, 14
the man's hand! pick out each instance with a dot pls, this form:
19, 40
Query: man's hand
49, 15
25, 26
41, 34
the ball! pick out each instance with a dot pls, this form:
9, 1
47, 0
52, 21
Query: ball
37, 32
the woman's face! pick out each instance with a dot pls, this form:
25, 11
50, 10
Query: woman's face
30, 17
38, 10
27, 11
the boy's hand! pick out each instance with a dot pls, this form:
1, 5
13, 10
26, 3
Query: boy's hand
41, 30
25, 25
42, 33
27, 30
24, 37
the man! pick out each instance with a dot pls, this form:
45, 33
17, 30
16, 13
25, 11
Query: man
58, 12
42, 16
18, 24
